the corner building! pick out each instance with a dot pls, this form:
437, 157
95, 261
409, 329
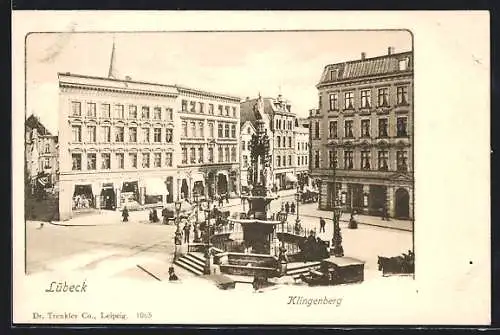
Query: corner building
362, 135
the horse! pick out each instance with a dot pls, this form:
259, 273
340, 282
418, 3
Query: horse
395, 265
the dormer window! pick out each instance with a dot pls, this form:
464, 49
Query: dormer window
334, 74
403, 64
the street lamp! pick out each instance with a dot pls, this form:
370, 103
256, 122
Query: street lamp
178, 233
207, 251
297, 198
338, 250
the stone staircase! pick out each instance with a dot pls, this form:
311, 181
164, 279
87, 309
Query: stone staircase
295, 270
193, 262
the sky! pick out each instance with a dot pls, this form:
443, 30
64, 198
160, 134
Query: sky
243, 64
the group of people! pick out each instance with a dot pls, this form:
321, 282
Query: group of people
81, 201
313, 248
288, 208
220, 199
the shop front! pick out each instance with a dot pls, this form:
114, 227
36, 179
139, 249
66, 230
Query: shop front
155, 191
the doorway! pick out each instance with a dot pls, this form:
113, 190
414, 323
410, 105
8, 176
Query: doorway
221, 184
108, 198
402, 204
377, 199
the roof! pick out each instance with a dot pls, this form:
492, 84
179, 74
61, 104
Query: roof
361, 68
33, 122
249, 111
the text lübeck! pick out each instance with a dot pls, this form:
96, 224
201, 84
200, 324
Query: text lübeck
67, 287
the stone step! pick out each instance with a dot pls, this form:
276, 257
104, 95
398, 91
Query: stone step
197, 257
192, 263
183, 264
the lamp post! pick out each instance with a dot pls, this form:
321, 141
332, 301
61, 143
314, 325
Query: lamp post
207, 251
297, 198
337, 249
178, 233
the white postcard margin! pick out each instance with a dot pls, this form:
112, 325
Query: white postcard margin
452, 173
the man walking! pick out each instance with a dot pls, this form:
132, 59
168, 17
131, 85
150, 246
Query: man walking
125, 214
187, 230
322, 224
287, 208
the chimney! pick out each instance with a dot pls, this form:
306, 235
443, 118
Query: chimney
363, 55
390, 50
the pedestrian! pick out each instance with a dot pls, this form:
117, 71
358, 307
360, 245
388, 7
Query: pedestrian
171, 274
227, 198
164, 214
292, 207
187, 229
322, 224
221, 201
150, 216
155, 216
287, 208
125, 214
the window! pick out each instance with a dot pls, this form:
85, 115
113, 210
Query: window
211, 109
348, 129
226, 154
298, 146
119, 113
91, 162
316, 159
334, 101
168, 159
193, 128
233, 131
383, 157
334, 74
234, 112
170, 114
201, 128
106, 134
145, 160
332, 159
227, 108
365, 160
133, 159
320, 102
200, 155
233, 154
145, 135
91, 134
145, 112
383, 95
132, 112
211, 129
184, 129
278, 161
348, 161
202, 109
278, 141
132, 134
76, 108
366, 98
276, 124
157, 160
157, 113
192, 106
184, 155
289, 160
46, 163
119, 134
365, 128
402, 124
245, 161
403, 64
298, 160
284, 160
220, 131
221, 158
105, 111
348, 100
77, 133
157, 135
284, 141
382, 128
192, 155
120, 161
76, 162
226, 130
184, 105
210, 155
332, 129
305, 160
221, 108
106, 161
91, 110
47, 147
289, 141
168, 135
243, 145
316, 130
402, 93
402, 161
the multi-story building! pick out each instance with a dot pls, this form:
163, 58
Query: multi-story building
41, 150
302, 155
362, 137
118, 146
209, 143
280, 124
247, 130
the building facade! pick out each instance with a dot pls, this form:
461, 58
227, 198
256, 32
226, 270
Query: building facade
119, 145
41, 154
361, 135
246, 133
302, 155
209, 144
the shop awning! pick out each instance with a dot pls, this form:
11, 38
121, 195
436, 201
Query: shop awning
198, 177
155, 186
223, 172
291, 178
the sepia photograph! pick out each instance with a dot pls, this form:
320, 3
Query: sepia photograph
231, 163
